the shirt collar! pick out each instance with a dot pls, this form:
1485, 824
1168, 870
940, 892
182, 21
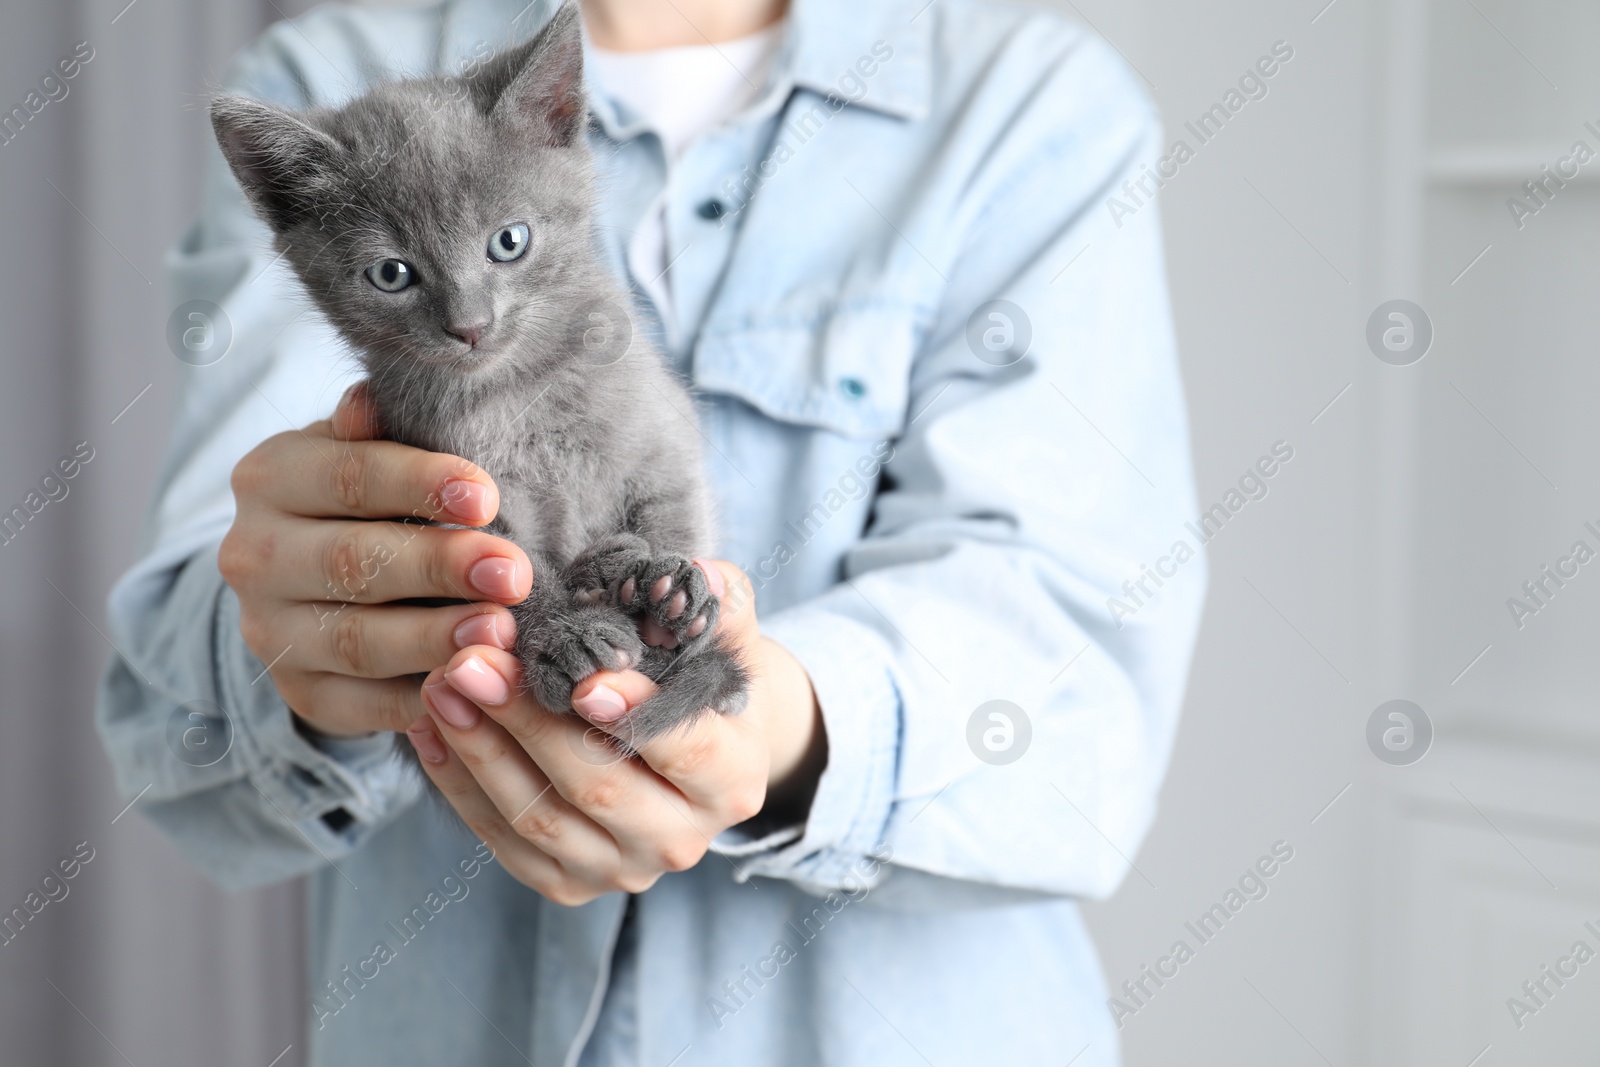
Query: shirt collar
604, 109
830, 46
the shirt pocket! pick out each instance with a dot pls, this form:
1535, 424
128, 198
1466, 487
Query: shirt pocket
846, 369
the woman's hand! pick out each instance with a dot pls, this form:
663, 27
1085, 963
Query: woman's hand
571, 819
315, 570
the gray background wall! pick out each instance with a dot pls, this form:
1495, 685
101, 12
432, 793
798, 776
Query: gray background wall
1419, 897
142, 959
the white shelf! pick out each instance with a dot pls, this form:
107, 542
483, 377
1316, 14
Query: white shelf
1505, 165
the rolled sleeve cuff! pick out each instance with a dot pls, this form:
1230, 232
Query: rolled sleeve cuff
334, 791
850, 667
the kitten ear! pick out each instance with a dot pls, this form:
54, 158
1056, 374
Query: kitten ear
540, 84
281, 162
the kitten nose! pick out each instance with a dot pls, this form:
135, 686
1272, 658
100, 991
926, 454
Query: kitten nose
468, 332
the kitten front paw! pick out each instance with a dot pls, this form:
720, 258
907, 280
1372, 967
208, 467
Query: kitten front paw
675, 602
607, 571
558, 653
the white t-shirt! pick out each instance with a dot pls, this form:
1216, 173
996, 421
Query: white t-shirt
681, 94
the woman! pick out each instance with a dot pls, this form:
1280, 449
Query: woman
945, 429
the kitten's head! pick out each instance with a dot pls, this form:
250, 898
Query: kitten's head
441, 221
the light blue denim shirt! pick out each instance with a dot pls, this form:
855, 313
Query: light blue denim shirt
938, 499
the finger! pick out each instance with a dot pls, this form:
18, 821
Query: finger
717, 762
356, 416
312, 474
357, 562
518, 789
628, 800
387, 640
709, 761
732, 587
342, 706
522, 860
604, 697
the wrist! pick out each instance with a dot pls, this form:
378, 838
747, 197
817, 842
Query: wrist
797, 740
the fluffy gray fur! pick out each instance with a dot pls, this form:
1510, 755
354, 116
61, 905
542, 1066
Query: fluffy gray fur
518, 366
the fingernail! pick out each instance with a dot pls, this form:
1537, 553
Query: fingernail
452, 707
601, 704
478, 681
713, 575
427, 744
495, 577
487, 628
467, 500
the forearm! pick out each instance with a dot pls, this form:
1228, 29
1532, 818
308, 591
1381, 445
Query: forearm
897, 692
195, 730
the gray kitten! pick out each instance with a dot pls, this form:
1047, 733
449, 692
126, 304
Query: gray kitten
445, 226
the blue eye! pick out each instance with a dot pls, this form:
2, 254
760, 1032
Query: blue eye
390, 275
509, 243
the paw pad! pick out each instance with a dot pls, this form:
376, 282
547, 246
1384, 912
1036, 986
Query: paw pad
680, 606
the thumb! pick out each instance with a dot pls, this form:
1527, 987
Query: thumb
604, 696
356, 417
732, 587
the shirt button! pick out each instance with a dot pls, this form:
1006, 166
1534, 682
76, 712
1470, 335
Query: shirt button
854, 388
711, 210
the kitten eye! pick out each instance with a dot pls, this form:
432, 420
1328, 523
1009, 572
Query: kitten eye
390, 275
509, 243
